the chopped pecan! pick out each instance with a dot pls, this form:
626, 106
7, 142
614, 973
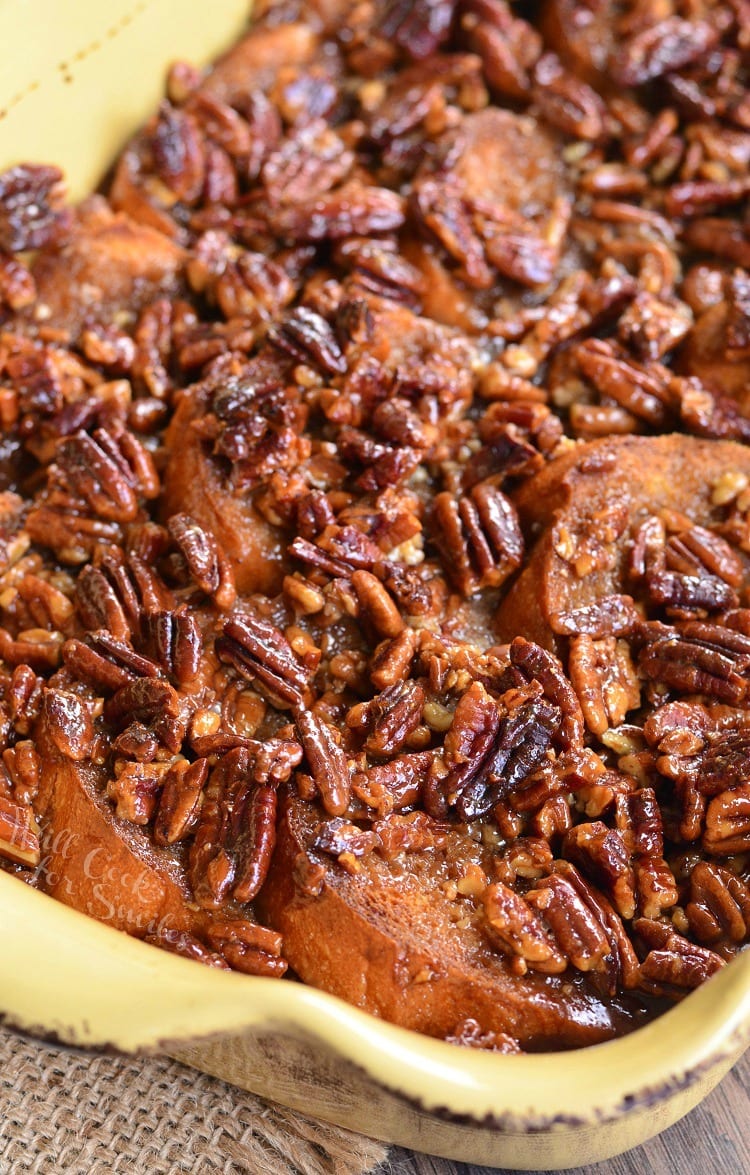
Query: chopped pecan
342, 838
394, 785
415, 832
135, 790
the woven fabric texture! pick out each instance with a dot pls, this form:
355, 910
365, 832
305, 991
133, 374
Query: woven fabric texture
65, 1113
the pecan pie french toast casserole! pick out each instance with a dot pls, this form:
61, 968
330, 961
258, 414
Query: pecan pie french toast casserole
375, 506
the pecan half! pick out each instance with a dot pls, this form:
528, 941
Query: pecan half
480, 536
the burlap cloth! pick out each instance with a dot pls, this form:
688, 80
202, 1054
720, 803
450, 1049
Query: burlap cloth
63, 1113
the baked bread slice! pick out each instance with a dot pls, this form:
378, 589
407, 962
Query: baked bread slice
396, 937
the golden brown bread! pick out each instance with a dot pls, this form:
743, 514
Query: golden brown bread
197, 484
96, 862
583, 509
109, 266
389, 939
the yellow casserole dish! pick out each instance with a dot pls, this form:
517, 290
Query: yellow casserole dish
71, 97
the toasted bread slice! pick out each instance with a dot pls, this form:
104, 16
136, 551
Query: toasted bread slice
110, 265
391, 939
585, 507
196, 484
105, 867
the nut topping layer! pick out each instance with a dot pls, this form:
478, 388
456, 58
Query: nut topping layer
375, 514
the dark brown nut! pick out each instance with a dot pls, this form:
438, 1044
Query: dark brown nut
30, 216
661, 48
135, 790
180, 800
376, 604
418, 28
259, 651
468, 744
326, 760
728, 822
604, 678
255, 838
719, 906
144, 700
68, 723
480, 536
508, 47
602, 855
672, 961
513, 926
656, 888
246, 946
19, 835
207, 563
521, 746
